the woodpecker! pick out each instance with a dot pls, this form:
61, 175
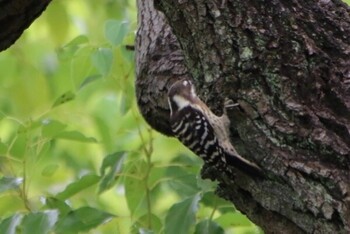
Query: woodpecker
203, 132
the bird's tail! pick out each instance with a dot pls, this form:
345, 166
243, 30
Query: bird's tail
244, 165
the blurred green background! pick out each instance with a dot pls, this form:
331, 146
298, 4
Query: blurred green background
75, 154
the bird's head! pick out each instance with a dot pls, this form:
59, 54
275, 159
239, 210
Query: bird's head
181, 94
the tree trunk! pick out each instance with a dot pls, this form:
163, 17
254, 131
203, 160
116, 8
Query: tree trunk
287, 63
16, 16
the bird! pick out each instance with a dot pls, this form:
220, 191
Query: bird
204, 133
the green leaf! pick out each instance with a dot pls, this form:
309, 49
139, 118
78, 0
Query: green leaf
128, 56
82, 220
102, 59
77, 186
125, 103
208, 227
28, 126
181, 216
189, 160
212, 200
18, 149
75, 136
103, 127
114, 163
66, 53
66, 97
206, 185
3, 148
79, 40
44, 149
54, 203
148, 223
9, 225
50, 128
89, 80
233, 219
9, 183
134, 187
183, 182
156, 176
69, 50
116, 30
39, 222
145, 231
127, 96
49, 170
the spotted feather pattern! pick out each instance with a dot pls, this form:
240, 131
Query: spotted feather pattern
192, 128
204, 133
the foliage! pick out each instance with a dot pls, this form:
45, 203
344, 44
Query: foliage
75, 154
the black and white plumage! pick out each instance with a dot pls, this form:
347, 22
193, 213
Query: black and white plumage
204, 133
195, 132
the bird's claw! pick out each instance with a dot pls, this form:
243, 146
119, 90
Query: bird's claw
229, 103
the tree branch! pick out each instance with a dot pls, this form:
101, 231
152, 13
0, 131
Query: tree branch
287, 64
16, 16
159, 61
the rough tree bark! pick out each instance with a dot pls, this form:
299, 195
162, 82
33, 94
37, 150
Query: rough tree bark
16, 16
287, 63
